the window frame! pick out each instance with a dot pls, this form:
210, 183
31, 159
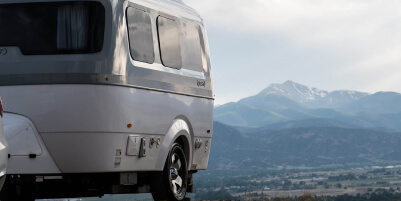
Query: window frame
174, 19
129, 38
187, 42
94, 49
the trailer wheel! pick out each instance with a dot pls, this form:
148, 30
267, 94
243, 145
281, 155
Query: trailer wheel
171, 184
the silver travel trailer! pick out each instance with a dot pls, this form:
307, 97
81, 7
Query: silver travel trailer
104, 97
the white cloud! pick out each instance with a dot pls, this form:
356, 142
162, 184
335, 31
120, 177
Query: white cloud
362, 38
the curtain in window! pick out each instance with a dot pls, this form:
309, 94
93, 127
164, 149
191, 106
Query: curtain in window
72, 27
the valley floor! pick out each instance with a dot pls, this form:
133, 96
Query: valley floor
290, 184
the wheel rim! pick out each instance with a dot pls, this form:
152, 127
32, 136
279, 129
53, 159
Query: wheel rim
176, 174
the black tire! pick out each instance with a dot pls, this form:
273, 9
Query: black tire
171, 184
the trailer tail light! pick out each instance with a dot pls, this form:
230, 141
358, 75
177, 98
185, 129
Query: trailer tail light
1, 108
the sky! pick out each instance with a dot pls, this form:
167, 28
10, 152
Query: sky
327, 44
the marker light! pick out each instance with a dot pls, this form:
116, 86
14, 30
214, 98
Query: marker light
129, 125
208, 131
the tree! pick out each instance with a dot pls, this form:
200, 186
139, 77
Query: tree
307, 197
221, 194
287, 184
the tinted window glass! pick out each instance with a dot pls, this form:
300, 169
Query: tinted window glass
192, 57
53, 28
140, 35
170, 48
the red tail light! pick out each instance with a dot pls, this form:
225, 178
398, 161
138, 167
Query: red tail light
1, 108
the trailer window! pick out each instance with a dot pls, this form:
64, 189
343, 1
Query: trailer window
73, 27
140, 35
192, 57
170, 48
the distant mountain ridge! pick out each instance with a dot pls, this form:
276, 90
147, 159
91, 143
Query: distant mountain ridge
292, 125
291, 102
312, 97
307, 147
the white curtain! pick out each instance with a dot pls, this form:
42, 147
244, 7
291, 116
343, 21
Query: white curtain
72, 27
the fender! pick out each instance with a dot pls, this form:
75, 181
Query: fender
178, 128
28, 154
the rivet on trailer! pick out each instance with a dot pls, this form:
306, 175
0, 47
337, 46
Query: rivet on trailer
104, 97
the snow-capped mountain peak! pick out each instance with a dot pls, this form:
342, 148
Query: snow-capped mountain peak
311, 96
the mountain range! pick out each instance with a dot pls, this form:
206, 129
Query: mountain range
302, 147
312, 97
292, 105
292, 125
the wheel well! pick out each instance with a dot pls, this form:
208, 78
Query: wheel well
183, 141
